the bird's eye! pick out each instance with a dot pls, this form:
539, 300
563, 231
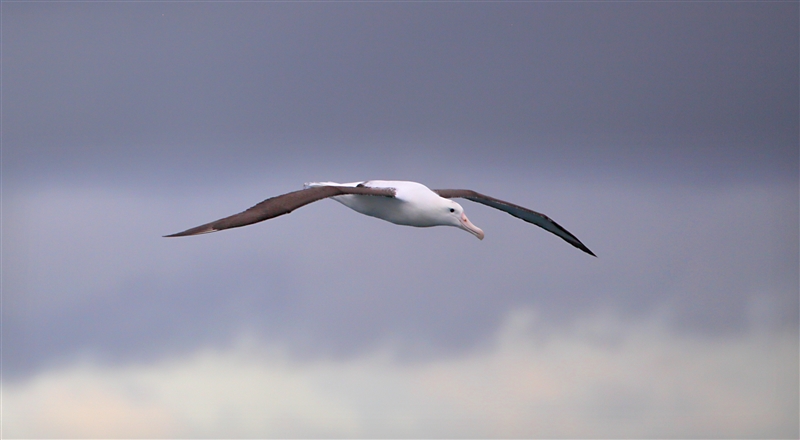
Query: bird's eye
452, 210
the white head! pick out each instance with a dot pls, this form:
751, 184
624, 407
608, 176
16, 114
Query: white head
453, 214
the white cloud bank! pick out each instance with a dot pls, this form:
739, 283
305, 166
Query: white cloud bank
601, 378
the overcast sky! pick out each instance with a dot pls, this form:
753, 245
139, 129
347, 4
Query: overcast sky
664, 135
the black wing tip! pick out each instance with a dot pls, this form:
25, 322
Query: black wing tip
577, 243
194, 231
178, 234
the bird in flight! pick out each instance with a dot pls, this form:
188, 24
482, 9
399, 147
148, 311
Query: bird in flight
399, 202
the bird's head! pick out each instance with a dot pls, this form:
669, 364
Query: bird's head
455, 216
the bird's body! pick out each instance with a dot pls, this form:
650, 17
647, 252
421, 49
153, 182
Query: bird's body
399, 202
413, 204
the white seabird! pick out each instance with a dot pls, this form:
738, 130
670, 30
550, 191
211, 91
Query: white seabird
398, 202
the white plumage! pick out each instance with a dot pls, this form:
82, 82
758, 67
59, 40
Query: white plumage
413, 204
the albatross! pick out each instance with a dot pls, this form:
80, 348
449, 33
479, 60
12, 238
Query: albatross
399, 202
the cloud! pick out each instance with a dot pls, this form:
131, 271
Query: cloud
118, 91
663, 135
601, 377
86, 270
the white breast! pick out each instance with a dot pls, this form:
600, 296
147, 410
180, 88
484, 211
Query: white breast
413, 205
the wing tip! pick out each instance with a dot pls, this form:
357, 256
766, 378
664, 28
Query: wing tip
190, 232
582, 247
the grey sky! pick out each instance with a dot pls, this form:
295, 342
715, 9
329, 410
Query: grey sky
699, 91
664, 135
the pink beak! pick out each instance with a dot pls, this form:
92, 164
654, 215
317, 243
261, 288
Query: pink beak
469, 227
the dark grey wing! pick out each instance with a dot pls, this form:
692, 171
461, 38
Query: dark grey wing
280, 205
526, 214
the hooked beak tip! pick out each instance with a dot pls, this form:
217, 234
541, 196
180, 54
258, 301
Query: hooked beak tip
469, 227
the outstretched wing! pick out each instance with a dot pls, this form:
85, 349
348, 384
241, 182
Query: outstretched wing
280, 205
517, 211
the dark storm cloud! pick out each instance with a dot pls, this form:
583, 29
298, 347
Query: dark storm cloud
702, 91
